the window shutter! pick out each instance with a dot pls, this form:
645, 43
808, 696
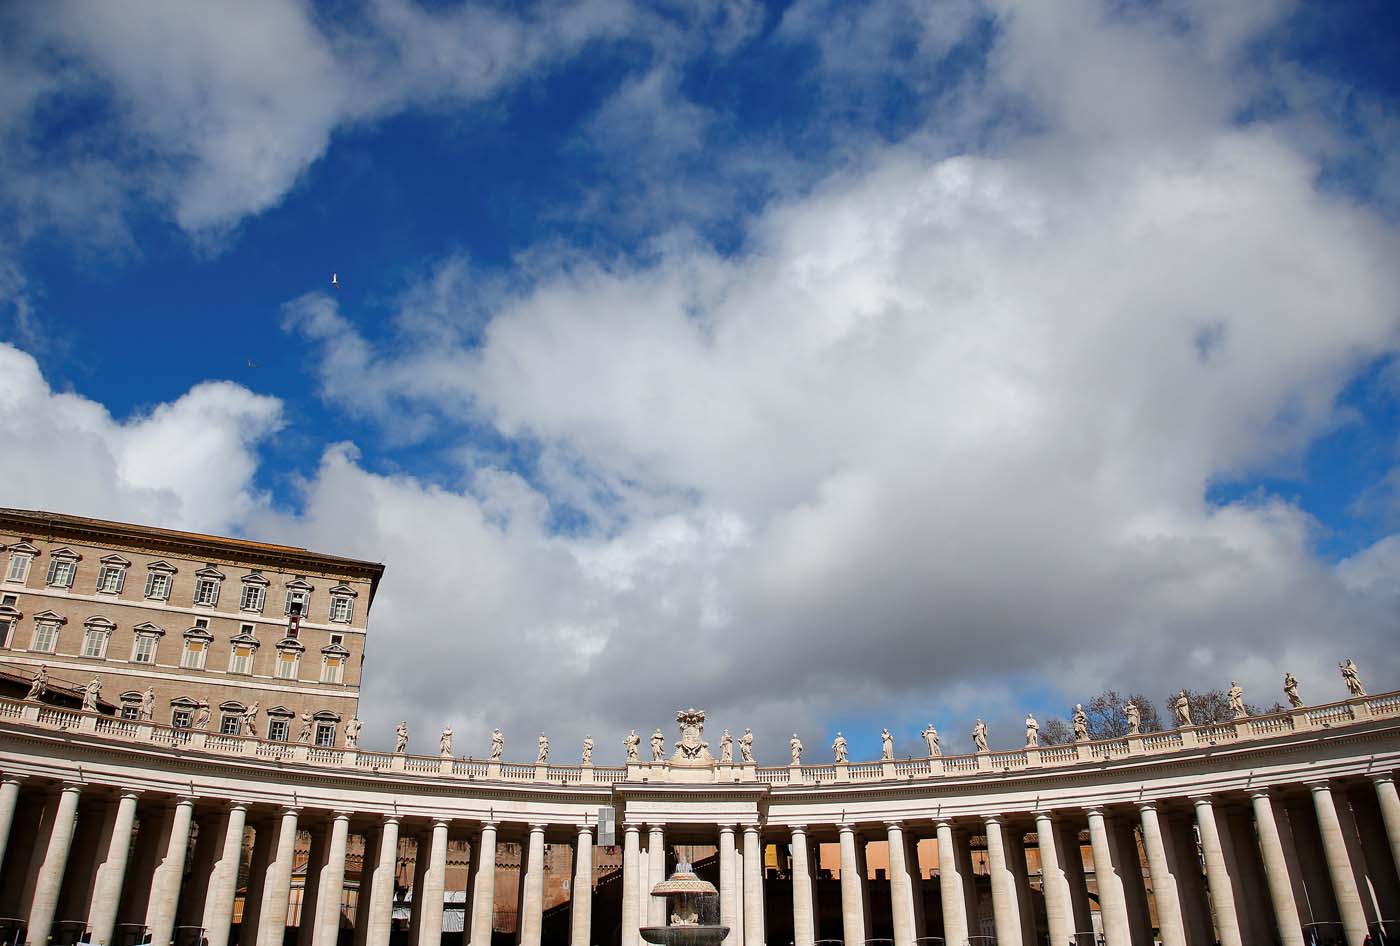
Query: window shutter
121, 579
150, 583
53, 572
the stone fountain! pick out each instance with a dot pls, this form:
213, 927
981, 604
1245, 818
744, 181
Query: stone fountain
693, 906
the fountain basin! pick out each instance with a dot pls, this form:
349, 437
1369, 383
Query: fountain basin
698, 935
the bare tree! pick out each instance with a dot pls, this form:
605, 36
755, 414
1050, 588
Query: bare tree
1208, 707
1056, 732
1109, 720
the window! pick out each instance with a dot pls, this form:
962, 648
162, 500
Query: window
241, 660
131, 711
145, 650
298, 597
181, 718
325, 734
9, 601
231, 723
332, 668
342, 607
195, 653
253, 597
95, 642
277, 729
61, 572
7, 631
45, 637
337, 640
206, 592
111, 577
287, 664
159, 579
19, 566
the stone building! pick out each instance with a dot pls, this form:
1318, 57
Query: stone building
261, 638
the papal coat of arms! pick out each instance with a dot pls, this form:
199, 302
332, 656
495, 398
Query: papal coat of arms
692, 746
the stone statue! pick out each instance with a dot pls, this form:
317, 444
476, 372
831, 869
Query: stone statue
658, 746
931, 741
90, 695
746, 746
1081, 723
542, 756
352, 733
1352, 678
305, 735
1182, 706
1236, 697
445, 741
39, 685
726, 747
838, 746
1290, 690
148, 704
1134, 718
979, 735
202, 716
796, 745
886, 746
250, 720
498, 745
631, 744
1032, 732
587, 750
692, 746
401, 737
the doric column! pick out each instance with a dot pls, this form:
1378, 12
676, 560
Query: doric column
728, 886
901, 889
223, 879
581, 912
49, 874
916, 883
331, 890
631, 870
9, 798
111, 869
484, 887
950, 887
531, 920
429, 932
755, 931
1386, 797
316, 853
1222, 891
1071, 856
1053, 882
656, 873
1113, 907
852, 888
1006, 908
1275, 869
277, 887
381, 891
1339, 869
1160, 866
165, 882
804, 921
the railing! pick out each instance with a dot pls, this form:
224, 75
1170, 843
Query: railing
565, 773
112, 725
774, 776
63, 719
960, 763
913, 767
518, 771
1160, 741
414, 763
469, 767
865, 771
823, 773
1056, 754
1220, 732
325, 756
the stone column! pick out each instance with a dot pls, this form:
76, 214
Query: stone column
331, 890
1386, 797
1113, 908
1276, 869
9, 798
739, 890
728, 886
1054, 884
1339, 868
484, 887
755, 929
1222, 891
277, 887
804, 925
381, 891
51, 865
901, 889
950, 888
1006, 908
316, 853
1071, 857
631, 870
165, 883
429, 932
111, 870
656, 873
223, 878
852, 884
1159, 866
581, 912
531, 920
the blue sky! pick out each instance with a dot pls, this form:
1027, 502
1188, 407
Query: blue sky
857, 346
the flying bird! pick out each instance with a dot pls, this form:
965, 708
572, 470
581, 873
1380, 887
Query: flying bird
335, 281
250, 363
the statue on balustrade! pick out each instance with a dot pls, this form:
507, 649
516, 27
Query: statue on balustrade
931, 741
658, 746
1182, 707
587, 750
726, 747
202, 716
39, 685
445, 741
148, 704
1352, 677
979, 735
1236, 697
886, 746
796, 745
352, 733
498, 745
250, 720
692, 746
631, 744
542, 756
1032, 732
1134, 718
401, 737
839, 747
90, 695
1290, 690
746, 746
1081, 723
305, 735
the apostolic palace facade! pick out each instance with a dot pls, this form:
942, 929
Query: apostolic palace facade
179, 763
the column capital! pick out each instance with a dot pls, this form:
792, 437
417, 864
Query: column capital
585, 829
895, 823
1319, 785
631, 827
393, 819
726, 828
12, 778
132, 793
442, 823
1200, 799
340, 814
944, 823
656, 826
994, 818
797, 828
538, 827
293, 810
1265, 791
72, 785
1380, 778
753, 828
1148, 804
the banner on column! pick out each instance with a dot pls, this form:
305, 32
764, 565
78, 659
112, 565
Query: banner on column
607, 827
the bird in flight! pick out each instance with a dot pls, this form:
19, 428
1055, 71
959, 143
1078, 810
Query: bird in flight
335, 280
250, 363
